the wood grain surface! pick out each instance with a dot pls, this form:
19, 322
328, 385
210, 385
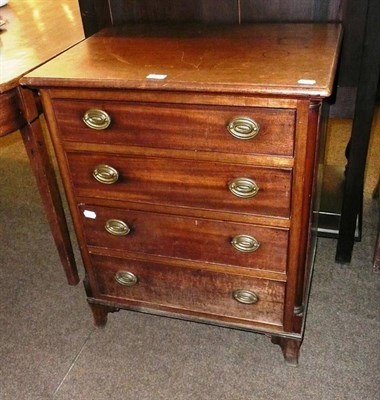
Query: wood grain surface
180, 237
35, 32
189, 290
276, 59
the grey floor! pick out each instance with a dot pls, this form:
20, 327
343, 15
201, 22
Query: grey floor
49, 348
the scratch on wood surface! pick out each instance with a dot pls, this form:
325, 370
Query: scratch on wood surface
196, 66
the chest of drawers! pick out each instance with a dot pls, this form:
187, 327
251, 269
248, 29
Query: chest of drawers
190, 160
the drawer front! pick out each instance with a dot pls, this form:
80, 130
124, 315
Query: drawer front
171, 126
187, 289
184, 183
203, 240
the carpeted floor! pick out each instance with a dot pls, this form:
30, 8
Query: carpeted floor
49, 348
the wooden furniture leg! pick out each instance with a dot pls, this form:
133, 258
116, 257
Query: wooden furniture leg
290, 348
43, 170
361, 129
100, 313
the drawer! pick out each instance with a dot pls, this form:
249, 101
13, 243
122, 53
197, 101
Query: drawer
202, 185
204, 240
187, 290
182, 127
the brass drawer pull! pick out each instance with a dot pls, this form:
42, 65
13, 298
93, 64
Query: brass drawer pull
96, 119
117, 227
243, 128
243, 187
105, 174
245, 243
245, 296
126, 278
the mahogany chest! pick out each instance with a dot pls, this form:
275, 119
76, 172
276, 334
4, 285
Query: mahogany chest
191, 157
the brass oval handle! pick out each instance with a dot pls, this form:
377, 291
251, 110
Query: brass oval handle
243, 128
243, 187
105, 174
126, 278
116, 227
245, 243
96, 119
245, 296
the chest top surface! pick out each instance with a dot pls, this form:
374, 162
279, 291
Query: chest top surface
268, 59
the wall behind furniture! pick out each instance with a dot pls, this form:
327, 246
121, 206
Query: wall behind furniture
232, 11
227, 10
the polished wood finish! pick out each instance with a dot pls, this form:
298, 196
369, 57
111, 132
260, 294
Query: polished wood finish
354, 16
199, 290
157, 125
43, 170
253, 56
167, 180
36, 32
175, 236
11, 117
169, 142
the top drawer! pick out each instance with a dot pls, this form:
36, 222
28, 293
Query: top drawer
183, 127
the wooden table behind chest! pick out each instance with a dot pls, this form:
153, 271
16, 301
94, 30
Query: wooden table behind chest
190, 160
